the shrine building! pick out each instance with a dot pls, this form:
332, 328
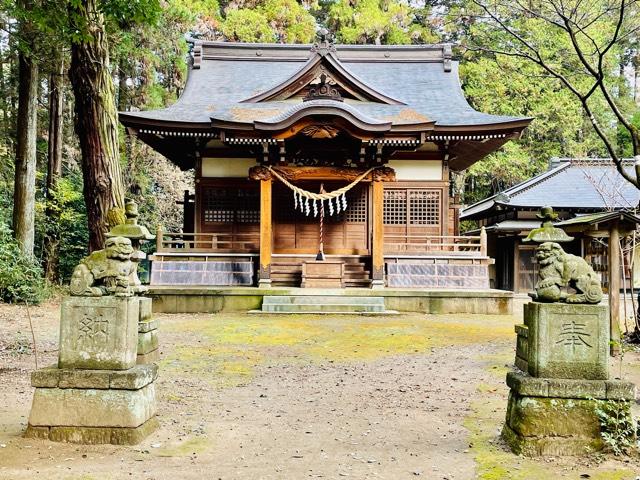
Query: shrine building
341, 152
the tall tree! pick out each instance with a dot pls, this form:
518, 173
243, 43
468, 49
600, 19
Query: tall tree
96, 117
579, 44
54, 166
96, 120
24, 195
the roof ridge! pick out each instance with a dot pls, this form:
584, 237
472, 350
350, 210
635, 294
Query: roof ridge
510, 190
542, 177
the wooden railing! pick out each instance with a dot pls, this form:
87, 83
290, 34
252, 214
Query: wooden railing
463, 245
226, 242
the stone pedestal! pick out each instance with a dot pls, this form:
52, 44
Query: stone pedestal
562, 351
548, 416
97, 393
565, 341
99, 332
93, 406
148, 351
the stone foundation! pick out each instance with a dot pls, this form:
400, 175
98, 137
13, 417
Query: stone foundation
94, 435
549, 416
93, 406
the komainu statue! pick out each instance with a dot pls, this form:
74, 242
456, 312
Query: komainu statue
559, 269
105, 272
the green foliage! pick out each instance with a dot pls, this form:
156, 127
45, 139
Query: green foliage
624, 137
20, 276
70, 224
285, 21
247, 26
379, 22
617, 426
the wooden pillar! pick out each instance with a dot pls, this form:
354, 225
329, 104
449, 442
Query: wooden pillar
264, 275
483, 241
159, 238
377, 244
614, 288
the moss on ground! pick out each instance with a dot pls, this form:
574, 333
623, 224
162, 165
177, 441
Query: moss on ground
185, 448
230, 346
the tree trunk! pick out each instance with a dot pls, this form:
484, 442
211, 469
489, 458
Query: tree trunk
96, 124
24, 196
54, 170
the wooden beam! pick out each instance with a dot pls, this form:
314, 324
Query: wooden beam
264, 279
348, 174
614, 288
377, 244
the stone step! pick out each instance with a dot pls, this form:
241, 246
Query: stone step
321, 299
323, 308
322, 304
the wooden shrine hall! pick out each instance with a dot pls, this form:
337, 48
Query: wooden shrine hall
321, 166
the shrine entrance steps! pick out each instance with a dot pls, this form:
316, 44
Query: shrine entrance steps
323, 304
287, 272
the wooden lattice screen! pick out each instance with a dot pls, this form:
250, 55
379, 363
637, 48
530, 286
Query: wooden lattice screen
419, 207
230, 205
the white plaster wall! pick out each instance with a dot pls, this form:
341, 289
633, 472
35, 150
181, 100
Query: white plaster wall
417, 169
227, 167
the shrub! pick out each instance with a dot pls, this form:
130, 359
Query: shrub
21, 278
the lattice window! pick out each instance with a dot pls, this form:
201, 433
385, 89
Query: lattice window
424, 207
357, 205
229, 205
395, 207
248, 206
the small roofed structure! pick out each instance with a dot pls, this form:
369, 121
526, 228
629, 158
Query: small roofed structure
268, 127
589, 196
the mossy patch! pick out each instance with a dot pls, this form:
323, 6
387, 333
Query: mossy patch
230, 346
186, 448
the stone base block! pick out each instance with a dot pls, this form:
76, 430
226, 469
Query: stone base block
94, 435
557, 416
99, 332
565, 340
93, 406
149, 358
147, 342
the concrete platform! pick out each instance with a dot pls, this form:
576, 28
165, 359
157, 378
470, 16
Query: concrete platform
207, 299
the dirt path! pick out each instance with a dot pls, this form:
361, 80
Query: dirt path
244, 397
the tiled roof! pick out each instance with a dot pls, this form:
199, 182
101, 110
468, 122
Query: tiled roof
424, 78
585, 184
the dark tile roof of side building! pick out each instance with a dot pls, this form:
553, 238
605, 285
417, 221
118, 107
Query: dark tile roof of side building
585, 184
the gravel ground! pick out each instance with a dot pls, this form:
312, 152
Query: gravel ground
281, 397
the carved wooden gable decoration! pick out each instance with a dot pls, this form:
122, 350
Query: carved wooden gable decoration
324, 77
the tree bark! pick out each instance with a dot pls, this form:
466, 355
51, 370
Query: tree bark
96, 124
54, 169
24, 196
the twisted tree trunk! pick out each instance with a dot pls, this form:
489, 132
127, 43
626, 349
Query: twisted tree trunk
96, 124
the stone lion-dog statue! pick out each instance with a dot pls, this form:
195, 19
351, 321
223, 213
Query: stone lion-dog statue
105, 272
560, 269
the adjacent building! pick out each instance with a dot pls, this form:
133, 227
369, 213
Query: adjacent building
584, 193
